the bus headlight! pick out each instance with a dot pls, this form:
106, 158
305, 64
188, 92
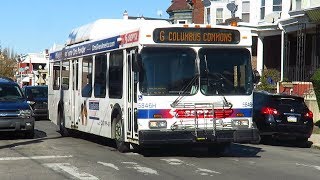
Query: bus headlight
25, 113
157, 124
241, 122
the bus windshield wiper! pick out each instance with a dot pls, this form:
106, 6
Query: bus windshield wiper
226, 103
183, 91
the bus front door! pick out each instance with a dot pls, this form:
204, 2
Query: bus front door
75, 94
132, 122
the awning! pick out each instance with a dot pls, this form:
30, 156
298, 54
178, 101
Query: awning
26, 79
35, 58
313, 14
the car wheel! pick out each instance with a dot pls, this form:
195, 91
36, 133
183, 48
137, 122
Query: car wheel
266, 139
303, 142
122, 146
29, 134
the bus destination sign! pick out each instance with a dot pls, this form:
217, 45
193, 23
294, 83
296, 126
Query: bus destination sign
196, 35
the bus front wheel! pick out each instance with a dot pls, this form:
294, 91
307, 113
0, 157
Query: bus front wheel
122, 146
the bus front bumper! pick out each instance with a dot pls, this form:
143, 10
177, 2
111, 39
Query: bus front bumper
149, 137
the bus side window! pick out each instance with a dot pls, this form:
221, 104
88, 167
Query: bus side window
116, 74
56, 76
86, 77
100, 76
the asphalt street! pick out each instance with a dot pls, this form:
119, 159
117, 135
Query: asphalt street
82, 156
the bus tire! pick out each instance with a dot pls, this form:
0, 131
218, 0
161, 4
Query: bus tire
62, 127
122, 146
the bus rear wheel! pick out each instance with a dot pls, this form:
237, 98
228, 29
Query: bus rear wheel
122, 146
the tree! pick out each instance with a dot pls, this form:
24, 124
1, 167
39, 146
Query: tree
7, 62
269, 79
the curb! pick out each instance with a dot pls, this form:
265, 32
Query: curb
315, 146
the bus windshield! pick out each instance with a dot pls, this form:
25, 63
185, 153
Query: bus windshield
225, 72
168, 71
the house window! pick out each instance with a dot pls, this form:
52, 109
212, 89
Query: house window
277, 5
262, 9
181, 22
298, 5
246, 11
219, 16
208, 16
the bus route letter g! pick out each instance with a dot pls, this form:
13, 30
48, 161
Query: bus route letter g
162, 36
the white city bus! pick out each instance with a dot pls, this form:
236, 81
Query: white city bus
147, 82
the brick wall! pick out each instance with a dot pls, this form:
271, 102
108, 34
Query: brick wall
198, 12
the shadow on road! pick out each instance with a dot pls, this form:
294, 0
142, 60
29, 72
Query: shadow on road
235, 150
287, 143
20, 139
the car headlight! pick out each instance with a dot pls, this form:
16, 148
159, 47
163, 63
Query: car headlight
31, 102
25, 113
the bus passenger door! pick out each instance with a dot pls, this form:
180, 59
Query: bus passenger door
75, 93
132, 121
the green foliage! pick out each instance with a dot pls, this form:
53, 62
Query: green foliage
7, 63
269, 79
315, 79
317, 123
316, 128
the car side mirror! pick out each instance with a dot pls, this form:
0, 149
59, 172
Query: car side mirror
256, 77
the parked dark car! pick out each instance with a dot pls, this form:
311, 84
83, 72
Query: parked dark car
282, 116
37, 97
15, 112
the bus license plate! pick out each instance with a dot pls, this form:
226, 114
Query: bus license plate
292, 119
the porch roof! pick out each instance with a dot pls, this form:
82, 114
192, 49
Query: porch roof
313, 14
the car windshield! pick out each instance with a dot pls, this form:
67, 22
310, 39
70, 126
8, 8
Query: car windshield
168, 71
225, 71
36, 92
10, 92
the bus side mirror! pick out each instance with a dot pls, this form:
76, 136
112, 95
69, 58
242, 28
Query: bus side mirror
137, 63
256, 77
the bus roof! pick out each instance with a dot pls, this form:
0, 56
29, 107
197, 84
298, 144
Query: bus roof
108, 27
107, 34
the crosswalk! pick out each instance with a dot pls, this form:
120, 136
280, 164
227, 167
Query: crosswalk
66, 165
71, 170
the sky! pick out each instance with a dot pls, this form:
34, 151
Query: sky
31, 26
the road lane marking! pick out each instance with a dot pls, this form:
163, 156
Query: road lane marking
206, 172
173, 161
307, 165
140, 169
72, 170
109, 165
201, 171
32, 157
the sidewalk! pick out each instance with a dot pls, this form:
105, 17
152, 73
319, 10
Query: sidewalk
315, 139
